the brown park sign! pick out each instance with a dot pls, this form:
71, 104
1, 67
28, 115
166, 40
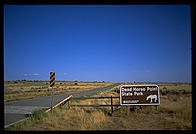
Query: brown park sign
139, 95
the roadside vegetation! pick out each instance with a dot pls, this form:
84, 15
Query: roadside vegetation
174, 113
18, 90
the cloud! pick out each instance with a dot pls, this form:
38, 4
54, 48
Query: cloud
61, 74
27, 74
35, 74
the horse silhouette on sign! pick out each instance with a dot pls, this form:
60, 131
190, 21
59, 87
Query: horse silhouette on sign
151, 97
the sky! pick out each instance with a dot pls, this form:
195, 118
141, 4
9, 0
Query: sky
114, 43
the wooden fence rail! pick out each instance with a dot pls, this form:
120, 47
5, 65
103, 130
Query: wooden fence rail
60, 103
94, 105
101, 97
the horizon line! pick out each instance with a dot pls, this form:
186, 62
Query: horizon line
103, 81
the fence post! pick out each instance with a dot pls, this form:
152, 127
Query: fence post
111, 105
156, 108
68, 104
128, 109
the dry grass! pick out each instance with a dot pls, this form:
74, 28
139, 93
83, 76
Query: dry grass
176, 86
179, 109
27, 89
65, 119
174, 113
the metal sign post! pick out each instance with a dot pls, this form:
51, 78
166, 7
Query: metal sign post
52, 82
52, 101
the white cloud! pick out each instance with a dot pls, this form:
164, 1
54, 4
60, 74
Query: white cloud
27, 74
35, 74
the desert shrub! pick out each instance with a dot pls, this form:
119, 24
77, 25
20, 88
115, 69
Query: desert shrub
172, 91
38, 115
181, 91
164, 88
187, 91
76, 101
167, 91
8, 91
163, 92
33, 90
175, 99
117, 90
17, 91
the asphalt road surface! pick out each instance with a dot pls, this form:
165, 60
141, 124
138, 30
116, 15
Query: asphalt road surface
15, 111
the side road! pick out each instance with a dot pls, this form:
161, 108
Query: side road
18, 110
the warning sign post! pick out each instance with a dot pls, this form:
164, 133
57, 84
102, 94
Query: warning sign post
52, 82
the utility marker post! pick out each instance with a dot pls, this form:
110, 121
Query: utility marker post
52, 82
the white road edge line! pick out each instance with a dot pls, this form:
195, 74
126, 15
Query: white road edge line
15, 122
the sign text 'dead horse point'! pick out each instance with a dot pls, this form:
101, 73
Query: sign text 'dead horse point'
139, 95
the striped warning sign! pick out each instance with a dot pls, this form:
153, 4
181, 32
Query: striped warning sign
52, 79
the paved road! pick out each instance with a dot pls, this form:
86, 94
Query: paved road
18, 110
